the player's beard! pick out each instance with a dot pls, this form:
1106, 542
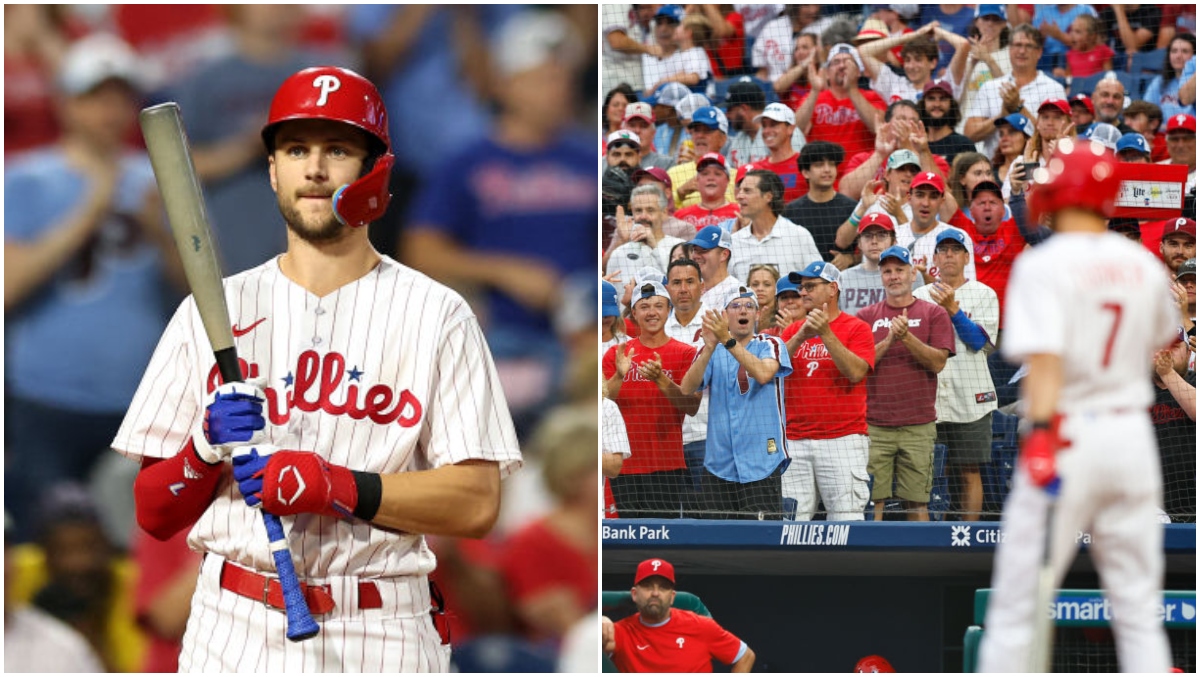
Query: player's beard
325, 229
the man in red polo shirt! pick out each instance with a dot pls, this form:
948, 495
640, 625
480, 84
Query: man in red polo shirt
661, 639
643, 379
836, 109
712, 181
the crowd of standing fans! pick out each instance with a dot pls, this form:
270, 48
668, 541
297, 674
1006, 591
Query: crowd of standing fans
494, 193
805, 321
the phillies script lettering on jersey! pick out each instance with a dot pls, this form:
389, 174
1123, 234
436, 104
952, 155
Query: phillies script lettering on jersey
634, 375
881, 324
834, 115
317, 380
812, 350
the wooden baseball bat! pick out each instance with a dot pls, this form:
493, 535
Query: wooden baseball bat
171, 157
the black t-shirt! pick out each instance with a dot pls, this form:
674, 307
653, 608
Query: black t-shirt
1177, 446
821, 219
1146, 16
951, 146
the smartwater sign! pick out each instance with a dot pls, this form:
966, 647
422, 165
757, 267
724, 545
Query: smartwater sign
1089, 608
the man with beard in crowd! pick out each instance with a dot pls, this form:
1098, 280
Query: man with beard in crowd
941, 114
622, 150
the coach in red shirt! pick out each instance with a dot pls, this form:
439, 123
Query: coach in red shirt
661, 639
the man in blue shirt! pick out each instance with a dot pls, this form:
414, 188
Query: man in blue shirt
745, 454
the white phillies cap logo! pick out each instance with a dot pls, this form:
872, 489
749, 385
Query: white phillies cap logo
328, 84
1180, 223
928, 176
1179, 119
656, 564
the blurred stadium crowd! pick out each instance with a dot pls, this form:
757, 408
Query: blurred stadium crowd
794, 170
494, 193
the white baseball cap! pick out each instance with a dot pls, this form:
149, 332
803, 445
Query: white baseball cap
778, 112
689, 104
531, 38
95, 59
843, 48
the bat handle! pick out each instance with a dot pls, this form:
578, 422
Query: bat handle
300, 623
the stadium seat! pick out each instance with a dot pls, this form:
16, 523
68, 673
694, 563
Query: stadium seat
1002, 372
997, 473
789, 508
1004, 429
1148, 62
1086, 85
939, 496
1134, 83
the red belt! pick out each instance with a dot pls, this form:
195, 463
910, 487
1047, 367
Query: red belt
268, 591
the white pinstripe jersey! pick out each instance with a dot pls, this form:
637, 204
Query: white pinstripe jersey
389, 373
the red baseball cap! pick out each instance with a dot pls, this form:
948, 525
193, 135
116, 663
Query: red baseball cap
654, 567
709, 158
939, 84
1062, 106
1181, 121
741, 172
1085, 100
928, 179
877, 219
1180, 225
656, 173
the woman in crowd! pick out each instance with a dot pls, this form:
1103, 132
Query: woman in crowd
761, 279
614, 109
1165, 89
1015, 132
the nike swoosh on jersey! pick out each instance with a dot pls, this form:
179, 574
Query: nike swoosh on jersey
642, 648
242, 332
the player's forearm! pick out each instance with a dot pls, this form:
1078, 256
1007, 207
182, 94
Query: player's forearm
171, 494
461, 500
1041, 386
850, 365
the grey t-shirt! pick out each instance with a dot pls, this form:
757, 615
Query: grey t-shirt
861, 288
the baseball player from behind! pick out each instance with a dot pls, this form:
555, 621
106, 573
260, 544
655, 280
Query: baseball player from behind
380, 418
1086, 312
661, 639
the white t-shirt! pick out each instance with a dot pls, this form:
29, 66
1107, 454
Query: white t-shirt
695, 428
716, 297
965, 390
618, 66
788, 247
988, 103
976, 78
35, 641
773, 48
631, 257
922, 247
693, 60
1100, 302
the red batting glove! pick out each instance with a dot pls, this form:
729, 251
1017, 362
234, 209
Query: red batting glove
1038, 450
301, 481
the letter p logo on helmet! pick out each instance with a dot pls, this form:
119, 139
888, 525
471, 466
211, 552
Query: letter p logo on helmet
328, 84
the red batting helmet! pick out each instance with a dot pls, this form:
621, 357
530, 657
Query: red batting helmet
873, 663
341, 95
1081, 174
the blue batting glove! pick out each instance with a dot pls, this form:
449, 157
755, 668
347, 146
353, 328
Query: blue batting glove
234, 414
248, 466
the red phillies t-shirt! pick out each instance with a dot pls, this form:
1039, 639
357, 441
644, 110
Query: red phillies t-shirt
837, 120
537, 560
994, 254
731, 51
685, 642
654, 425
700, 216
900, 391
822, 403
794, 185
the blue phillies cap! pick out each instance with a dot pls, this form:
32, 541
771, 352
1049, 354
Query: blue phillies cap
785, 284
608, 300
711, 117
818, 269
710, 237
668, 94
896, 252
1133, 141
672, 12
991, 10
1018, 122
952, 235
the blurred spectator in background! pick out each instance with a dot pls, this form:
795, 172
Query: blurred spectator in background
1109, 99
1015, 131
35, 641
622, 149
771, 53
625, 34
989, 58
1131, 28
671, 134
612, 113
1025, 88
1054, 22
639, 119
712, 182
919, 56
712, 250
1088, 54
710, 130
550, 565
679, 59
515, 213
35, 40
744, 106
1173, 414
648, 246
1083, 112
768, 237
1146, 119
836, 109
1167, 89
224, 104
897, 19
90, 270
762, 280
728, 50
956, 19
1181, 146
793, 85
163, 595
901, 148
941, 114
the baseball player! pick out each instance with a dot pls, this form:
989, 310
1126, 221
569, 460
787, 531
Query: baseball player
661, 639
378, 418
1087, 310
